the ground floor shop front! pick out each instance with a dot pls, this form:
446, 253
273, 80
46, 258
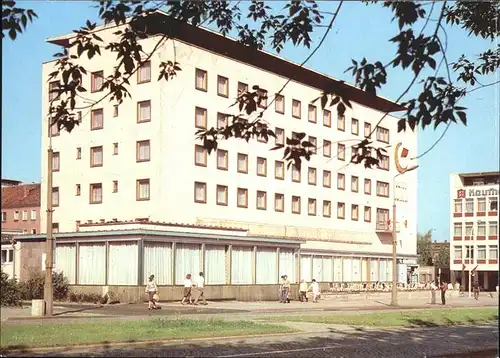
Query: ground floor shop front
488, 280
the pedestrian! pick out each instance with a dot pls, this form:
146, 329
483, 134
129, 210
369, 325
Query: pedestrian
303, 291
475, 287
151, 291
315, 290
443, 288
281, 289
286, 287
200, 288
188, 285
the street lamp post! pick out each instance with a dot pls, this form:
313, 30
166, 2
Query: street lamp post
394, 292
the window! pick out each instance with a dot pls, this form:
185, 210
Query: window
469, 205
33, 215
201, 80
200, 192
368, 186
340, 211
354, 184
457, 229
311, 207
242, 164
382, 217
16, 215
33, 231
327, 178
279, 202
314, 143
477, 182
55, 228
296, 108
312, 114
341, 123
296, 204
261, 200
200, 118
458, 206
115, 186
55, 162
279, 104
200, 156
354, 212
368, 214
55, 199
96, 159
78, 190
78, 153
295, 174
262, 97
25, 215
142, 189
368, 129
327, 118
115, 148
382, 135
327, 148
492, 228
53, 130
53, 93
382, 189
96, 81
144, 111
96, 193
481, 228
261, 166
354, 126
493, 254
242, 198
7, 256
469, 229
96, 119
4, 216
327, 208
481, 252
222, 86
144, 72
242, 88
457, 252
341, 151
222, 195
493, 204
280, 136
279, 170
143, 151
79, 117
341, 181
222, 121
311, 176
115, 110
222, 159
384, 162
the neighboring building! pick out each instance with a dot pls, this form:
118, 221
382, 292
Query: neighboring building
10, 182
21, 208
474, 227
241, 215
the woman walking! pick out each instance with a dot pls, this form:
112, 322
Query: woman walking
188, 285
315, 290
151, 291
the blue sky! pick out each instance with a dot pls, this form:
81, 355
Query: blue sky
359, 31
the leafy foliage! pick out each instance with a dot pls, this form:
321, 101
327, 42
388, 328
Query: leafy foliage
10, 293
442, 258
437, 102
424, 248
33, 288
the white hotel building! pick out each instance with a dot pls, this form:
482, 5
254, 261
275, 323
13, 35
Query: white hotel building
474, 227
137, 194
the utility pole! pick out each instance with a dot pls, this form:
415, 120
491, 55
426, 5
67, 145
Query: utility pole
49, 260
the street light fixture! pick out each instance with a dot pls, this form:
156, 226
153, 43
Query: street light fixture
394, 292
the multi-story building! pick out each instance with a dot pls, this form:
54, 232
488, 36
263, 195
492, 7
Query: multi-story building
474, 228
238, 214
21, 208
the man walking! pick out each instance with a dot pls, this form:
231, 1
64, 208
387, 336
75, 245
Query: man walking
443, 288
200, 289
475, 287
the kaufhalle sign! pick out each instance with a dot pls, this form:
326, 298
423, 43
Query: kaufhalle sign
461, 193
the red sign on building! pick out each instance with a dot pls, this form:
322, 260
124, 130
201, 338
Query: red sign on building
460, 193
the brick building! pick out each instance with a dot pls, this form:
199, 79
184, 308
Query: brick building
21, 208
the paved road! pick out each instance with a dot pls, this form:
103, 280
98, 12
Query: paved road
400, 343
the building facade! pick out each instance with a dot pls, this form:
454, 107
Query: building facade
21, 208
140, 161
474, 228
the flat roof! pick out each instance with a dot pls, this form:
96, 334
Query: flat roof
212, 41
479, 174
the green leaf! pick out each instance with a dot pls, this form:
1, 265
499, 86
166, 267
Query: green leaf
462, 116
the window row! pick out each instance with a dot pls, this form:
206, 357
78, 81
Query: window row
483, 205
18, 215
143, 154
472, 230
96, 191
467, 252
201, 83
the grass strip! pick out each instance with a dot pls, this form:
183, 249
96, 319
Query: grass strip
71, 334
412, 318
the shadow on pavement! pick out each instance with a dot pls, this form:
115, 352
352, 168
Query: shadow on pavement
359, 342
